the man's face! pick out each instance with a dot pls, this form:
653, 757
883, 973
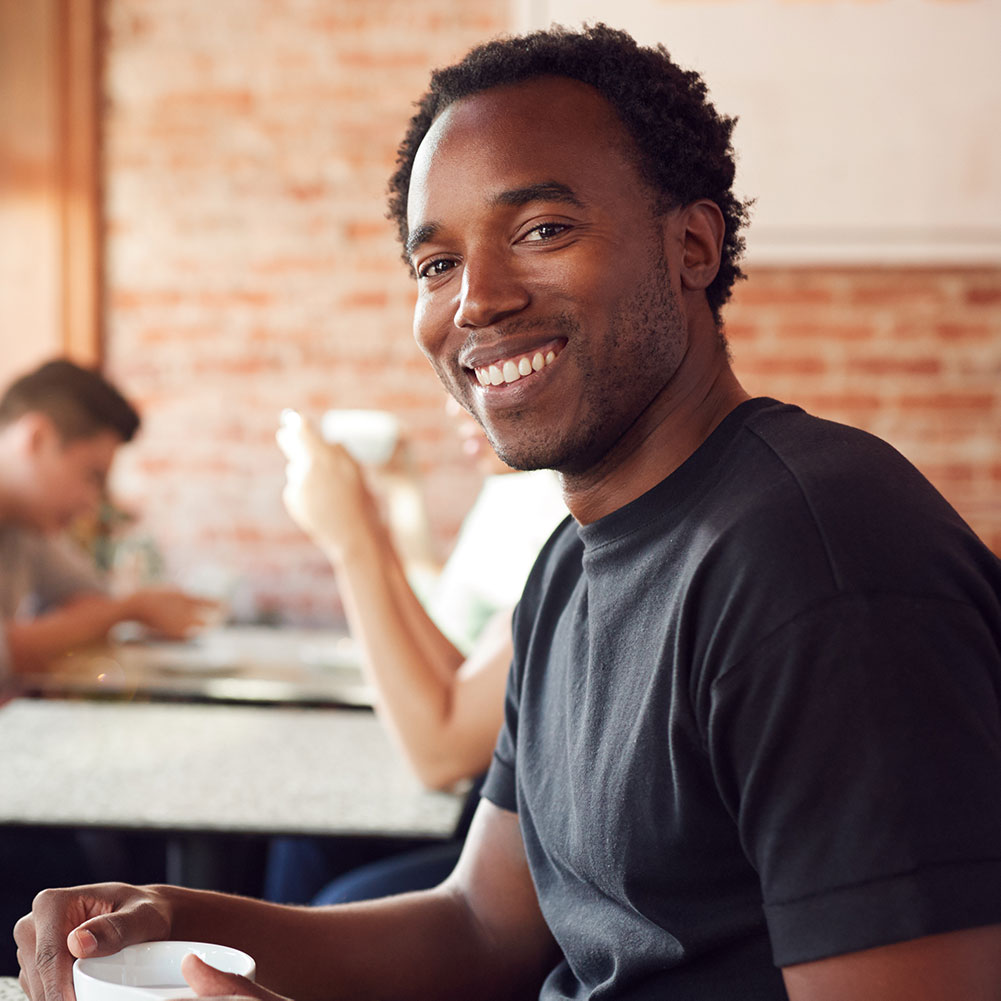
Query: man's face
546, 302
67, 478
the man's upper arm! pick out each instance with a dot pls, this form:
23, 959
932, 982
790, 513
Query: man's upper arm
493, 879
956, 966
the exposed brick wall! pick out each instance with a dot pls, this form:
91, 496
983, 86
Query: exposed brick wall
913, 355
247, 144
246, 149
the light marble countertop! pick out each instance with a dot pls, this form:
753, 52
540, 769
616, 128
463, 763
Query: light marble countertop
210, 768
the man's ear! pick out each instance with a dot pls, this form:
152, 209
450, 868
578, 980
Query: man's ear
37, 432
702, 235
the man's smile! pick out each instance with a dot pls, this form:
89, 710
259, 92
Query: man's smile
516, 366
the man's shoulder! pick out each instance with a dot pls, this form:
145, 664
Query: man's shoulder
836, 470
796, 436
808, 492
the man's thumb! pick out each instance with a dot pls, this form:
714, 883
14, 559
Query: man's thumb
207, 981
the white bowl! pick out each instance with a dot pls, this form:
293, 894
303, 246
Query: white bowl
151, 970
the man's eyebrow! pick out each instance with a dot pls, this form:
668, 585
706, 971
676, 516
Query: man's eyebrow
420, 235
544, 191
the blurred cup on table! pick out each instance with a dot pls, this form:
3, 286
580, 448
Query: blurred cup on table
213, 583
151, 970
369, 435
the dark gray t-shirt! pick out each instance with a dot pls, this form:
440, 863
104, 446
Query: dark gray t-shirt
753, 718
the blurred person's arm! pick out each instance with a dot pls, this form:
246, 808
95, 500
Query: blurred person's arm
33, 643
443, 708
480, 934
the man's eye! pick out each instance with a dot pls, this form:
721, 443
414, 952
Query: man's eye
436, 267
545, 231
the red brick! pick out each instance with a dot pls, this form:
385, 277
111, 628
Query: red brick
748, 296
974, 401
890, 366
964, 331
823, 333
983, 296
364, 300
952, 473
831, 404
900, 292
776, 365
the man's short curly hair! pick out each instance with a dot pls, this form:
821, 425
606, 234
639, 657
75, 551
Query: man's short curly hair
683, 143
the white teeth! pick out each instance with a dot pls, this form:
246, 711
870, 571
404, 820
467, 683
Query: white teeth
512, 370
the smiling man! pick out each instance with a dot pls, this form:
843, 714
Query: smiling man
752, 745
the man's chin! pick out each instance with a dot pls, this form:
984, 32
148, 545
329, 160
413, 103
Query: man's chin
546, 454
526, 460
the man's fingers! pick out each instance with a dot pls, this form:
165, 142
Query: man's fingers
80, 921
297, 434
24, 936
46, 967
206, 981
108, 933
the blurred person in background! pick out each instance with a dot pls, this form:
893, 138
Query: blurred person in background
60, 427
437, 660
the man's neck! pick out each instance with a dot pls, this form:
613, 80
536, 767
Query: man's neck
673, 427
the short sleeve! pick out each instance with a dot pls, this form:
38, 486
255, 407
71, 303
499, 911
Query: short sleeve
859, 749
60, 572
500, 785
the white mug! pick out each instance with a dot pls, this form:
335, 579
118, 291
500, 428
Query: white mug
369, 435
151, 970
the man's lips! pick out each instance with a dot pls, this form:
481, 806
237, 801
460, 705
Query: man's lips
512, 367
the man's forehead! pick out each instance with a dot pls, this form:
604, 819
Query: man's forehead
525, 127
500, 114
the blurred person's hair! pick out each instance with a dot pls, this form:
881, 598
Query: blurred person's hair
80, 402
683, 148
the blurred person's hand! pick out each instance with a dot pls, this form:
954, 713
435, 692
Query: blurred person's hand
325, 491
172, 613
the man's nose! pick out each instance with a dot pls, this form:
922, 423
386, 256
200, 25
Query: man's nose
490, 292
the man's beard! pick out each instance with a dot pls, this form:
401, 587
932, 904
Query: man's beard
614, 397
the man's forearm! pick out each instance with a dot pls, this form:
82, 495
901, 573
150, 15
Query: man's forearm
418, 945
34, 643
